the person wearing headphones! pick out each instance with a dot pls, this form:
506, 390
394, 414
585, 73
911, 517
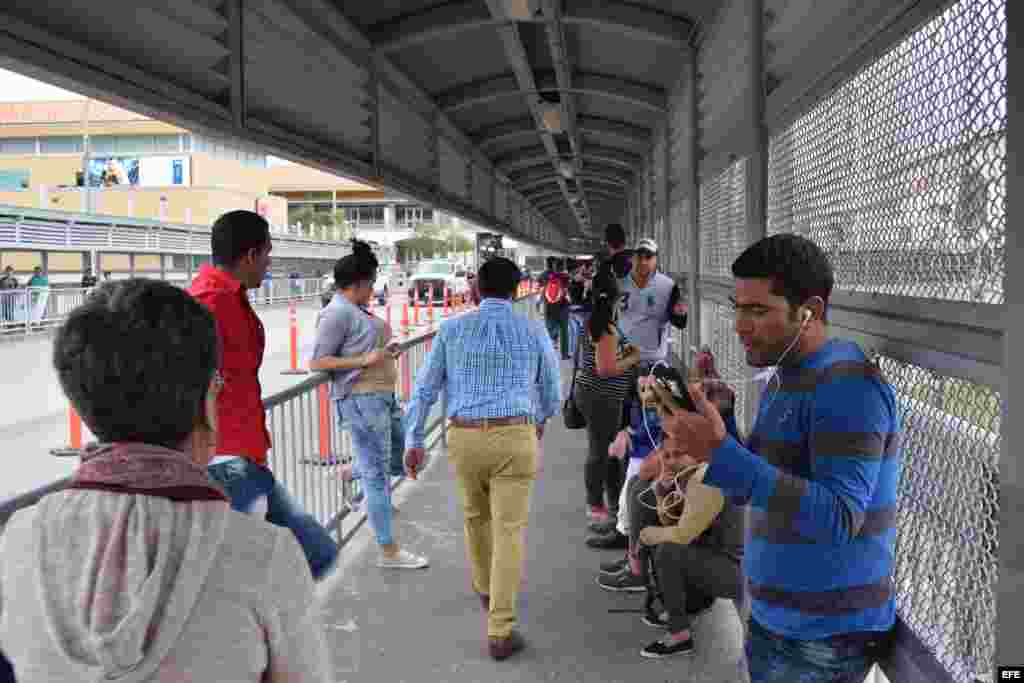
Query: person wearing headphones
819, 471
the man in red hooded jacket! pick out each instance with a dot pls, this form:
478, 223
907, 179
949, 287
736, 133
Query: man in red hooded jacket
241, 247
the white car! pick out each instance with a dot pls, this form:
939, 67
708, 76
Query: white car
389, 279
437, 274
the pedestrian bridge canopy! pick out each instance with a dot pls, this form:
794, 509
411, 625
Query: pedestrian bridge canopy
878, 128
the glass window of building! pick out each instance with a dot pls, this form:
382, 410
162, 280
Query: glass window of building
17, 145
61, 144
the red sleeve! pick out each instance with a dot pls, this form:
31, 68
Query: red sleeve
228, 315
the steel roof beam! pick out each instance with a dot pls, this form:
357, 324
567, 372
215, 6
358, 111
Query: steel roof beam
448, 20
505, 131
641, 95
634, 21
436, 23
520, 63
589, 171
540, 180
626, 132
534, 156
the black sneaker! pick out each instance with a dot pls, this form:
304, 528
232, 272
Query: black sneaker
615, 567
624, 581
666, 647
657, 620
602, 528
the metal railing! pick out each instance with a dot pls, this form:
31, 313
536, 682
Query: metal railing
39, 309
29, 228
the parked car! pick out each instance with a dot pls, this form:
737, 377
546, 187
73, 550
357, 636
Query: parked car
438, 274
389, 279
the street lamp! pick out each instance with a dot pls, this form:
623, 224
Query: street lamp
86, 155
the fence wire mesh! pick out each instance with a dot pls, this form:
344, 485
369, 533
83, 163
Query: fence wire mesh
677, 237
718, 330
723, 220
900, 173
948, 518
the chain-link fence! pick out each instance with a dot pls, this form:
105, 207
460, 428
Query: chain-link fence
900, 173
947, 536
718, 330
723, 220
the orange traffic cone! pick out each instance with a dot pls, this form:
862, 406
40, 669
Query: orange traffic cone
293, 324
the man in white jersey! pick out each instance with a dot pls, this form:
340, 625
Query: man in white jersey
650, 302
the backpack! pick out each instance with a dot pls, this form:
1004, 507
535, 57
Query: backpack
553, 291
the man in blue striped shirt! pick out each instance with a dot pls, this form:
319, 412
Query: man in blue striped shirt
819, 471
491, 363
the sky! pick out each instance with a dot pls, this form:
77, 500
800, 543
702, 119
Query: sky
17, 88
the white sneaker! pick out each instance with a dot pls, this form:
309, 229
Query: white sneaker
404, 560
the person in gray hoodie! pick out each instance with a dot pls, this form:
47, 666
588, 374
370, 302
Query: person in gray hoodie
140, 570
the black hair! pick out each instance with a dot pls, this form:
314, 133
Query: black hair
797, 267
615, 236
359, 266
234, 234
136, 361
604, 294
498, 278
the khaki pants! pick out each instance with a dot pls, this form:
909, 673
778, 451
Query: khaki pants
495, 469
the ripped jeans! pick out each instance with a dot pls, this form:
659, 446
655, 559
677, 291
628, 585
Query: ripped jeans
378, 439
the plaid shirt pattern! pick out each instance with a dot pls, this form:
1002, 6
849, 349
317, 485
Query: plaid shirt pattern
493, 363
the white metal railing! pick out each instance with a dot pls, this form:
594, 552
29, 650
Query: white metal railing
38, 309
29, 228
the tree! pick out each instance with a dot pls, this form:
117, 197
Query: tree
330, 225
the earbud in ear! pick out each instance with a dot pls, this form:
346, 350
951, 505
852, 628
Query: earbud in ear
808, 315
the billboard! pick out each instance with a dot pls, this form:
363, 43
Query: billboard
139, 171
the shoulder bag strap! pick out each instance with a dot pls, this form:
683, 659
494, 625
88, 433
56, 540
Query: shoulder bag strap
576, 362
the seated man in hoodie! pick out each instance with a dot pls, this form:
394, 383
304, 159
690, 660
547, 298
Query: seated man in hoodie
140, 570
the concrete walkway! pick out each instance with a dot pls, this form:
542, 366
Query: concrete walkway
428, 626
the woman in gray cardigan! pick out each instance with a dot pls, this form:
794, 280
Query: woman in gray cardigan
140, 570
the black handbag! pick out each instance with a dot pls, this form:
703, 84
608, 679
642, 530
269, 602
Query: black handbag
574, 419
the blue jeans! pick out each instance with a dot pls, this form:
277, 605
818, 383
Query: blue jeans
245, 482
378, 438
846, 658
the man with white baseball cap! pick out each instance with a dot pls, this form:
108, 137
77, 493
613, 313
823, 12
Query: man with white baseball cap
650, 302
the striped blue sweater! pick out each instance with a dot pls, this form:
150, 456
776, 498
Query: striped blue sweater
820, 473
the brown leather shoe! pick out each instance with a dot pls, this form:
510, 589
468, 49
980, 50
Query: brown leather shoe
503, 648
485, 600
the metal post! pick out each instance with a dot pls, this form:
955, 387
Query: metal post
1009, 597
694, 199
757, 162
374, 87
86, 154
757, 166
235, 15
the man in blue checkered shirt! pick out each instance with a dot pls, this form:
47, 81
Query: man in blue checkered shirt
502, 379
